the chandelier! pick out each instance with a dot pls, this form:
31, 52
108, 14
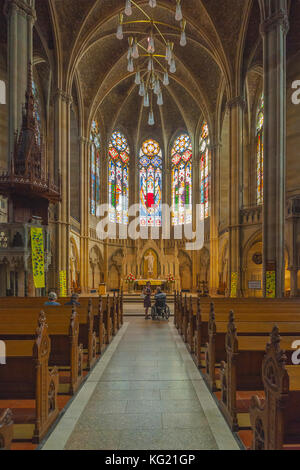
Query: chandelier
152, 74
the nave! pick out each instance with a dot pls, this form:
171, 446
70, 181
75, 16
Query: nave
145, 393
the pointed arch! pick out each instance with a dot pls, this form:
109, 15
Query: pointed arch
150, 167
181, 161
118, 177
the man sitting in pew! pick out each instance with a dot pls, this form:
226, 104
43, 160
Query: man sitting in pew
74, 300
52, 300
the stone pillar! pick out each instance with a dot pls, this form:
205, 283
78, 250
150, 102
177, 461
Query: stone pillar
236, 108
20, 18
214, 218
84, 216
274, 27
293, 230
62, 167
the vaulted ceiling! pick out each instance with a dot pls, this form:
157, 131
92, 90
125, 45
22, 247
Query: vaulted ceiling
78, 38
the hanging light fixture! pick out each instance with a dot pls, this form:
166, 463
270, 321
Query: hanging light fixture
146, 100
151, 120
173, 66
183, 40
150, 75
160, 101
120, 27
166, 80
137, 80
142, 88
178, 14
128, 8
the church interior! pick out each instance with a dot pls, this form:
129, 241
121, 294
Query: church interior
149, 147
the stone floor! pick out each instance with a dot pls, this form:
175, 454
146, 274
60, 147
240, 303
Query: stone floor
145, 393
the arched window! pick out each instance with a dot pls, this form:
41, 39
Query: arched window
95, 167
37, 113
260, 151
118, 178
150, 184
204, 170
181, 155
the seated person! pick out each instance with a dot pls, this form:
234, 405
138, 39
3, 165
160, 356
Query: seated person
52, 297
160, 298
74, 300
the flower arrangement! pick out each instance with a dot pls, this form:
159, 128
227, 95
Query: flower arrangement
130, 278
170, 278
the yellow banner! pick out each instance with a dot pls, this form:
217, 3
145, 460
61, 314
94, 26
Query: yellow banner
37, 252
63, 284
270, 284
234, 280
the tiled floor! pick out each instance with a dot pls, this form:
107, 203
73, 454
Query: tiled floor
145, 393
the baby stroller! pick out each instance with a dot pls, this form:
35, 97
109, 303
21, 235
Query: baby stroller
160, 310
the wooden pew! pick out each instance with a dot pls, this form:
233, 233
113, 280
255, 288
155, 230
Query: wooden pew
215, 351
223, 305
6, 429
63, 329
26, 376
242, 370
275, 422
201, 335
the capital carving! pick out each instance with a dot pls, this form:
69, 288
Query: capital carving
235, 102
61, 94
278, 19
83, 140
20, 6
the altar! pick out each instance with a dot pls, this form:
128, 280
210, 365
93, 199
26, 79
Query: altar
141, 283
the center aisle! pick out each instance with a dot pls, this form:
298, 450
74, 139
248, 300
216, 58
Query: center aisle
144, 394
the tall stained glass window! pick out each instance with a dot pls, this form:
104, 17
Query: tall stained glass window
37, 113
150, 184
181, 155
94, 167
119, 155
260, 151
204, 170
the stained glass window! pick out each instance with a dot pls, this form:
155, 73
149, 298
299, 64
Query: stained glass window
94, 168
150, 184
37, 113
181, 155
260, 151
204, 170
119, 155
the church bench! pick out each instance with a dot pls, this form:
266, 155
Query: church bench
225, 304
202, 324
87, 336
242, 370
109, 310
6, 429
26, 377
275, 421
215, 350
63, 328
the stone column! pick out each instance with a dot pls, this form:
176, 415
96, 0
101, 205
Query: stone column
84, 216
62, 167
236, 108
20, 18
293, 229
214, 217
274, 27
